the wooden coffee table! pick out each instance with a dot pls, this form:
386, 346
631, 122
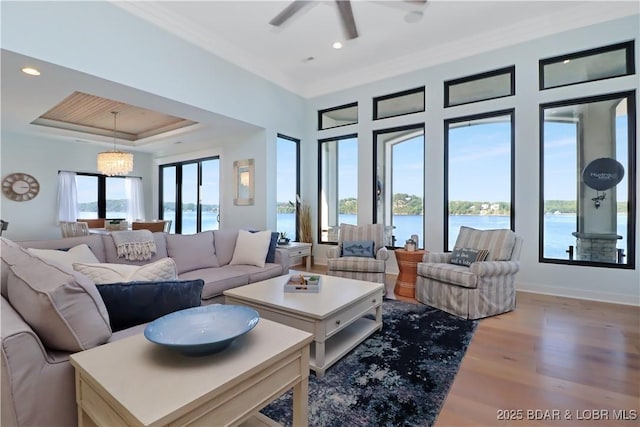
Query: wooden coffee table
334, 315
133, 382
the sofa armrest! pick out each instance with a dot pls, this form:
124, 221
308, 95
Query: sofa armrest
38, 386
436, 257
282, 258
333, 252
382, 254
495, 268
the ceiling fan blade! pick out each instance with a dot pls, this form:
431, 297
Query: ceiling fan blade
288, 12
346, 14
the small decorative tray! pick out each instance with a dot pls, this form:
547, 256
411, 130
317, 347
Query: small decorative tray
302, 284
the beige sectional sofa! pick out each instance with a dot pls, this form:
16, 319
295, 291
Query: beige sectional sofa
50, 311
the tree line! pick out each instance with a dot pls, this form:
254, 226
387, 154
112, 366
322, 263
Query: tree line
120, 205
570, 206
403, 204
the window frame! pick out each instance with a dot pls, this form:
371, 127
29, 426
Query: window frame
377, 99
628, 46
319, 212
512, 158
102, 190
510, 70
631, 179
177, 222
339, 107
297, 203
377, 132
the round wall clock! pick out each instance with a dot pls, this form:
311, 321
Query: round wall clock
20, 187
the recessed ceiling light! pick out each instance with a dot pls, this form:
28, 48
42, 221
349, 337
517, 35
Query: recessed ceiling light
31, 71
337, 45
566, 61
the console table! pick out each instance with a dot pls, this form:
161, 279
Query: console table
133, 382
408, 272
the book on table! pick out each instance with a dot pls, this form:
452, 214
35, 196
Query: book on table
302, 283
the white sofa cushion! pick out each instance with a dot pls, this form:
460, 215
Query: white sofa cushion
79, 253
161, 270
251, 248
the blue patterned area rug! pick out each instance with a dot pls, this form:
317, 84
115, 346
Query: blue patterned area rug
399, 376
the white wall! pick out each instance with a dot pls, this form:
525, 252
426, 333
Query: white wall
158, 63
608, 284
121, 48
103, 40
43, 158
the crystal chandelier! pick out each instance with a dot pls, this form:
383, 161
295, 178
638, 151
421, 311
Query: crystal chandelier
115, 162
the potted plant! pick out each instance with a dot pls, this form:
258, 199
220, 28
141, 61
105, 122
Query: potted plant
283, 239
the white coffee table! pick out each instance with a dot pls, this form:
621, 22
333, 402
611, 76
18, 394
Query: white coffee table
334, 315
133, 382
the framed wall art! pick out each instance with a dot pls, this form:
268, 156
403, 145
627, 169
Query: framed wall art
244, 185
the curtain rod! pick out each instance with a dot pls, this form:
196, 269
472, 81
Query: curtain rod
98, 174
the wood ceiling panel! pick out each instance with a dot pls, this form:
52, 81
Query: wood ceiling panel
92, 112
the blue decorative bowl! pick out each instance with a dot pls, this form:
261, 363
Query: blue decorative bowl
199, 331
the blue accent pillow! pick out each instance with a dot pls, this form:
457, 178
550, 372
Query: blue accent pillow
361, 248
135, 303
271, 253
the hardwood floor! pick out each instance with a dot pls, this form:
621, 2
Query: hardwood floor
552, 361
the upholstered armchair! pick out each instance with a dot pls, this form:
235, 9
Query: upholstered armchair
463, 284
360, 253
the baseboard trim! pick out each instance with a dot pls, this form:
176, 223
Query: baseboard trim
536, 288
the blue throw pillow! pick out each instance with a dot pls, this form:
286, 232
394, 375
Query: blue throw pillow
271, 253
134, 303
361, 248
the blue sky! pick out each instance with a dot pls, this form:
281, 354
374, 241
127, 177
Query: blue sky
478, 168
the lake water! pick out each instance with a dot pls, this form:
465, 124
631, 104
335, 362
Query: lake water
558, 228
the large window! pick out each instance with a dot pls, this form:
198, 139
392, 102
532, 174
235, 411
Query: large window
288, 185
190, 195
587, 180
399, 183
479, 153
337, 185
101, 196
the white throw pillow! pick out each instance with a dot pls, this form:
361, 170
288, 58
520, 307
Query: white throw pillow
102, 273
251, 248
80, 253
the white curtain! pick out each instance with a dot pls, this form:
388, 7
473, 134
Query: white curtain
67, 196
135, 206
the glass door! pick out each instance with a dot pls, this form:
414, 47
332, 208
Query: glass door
189, 195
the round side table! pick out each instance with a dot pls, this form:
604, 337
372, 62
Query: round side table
408, 272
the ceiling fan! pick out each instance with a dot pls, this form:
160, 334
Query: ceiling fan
344, 9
